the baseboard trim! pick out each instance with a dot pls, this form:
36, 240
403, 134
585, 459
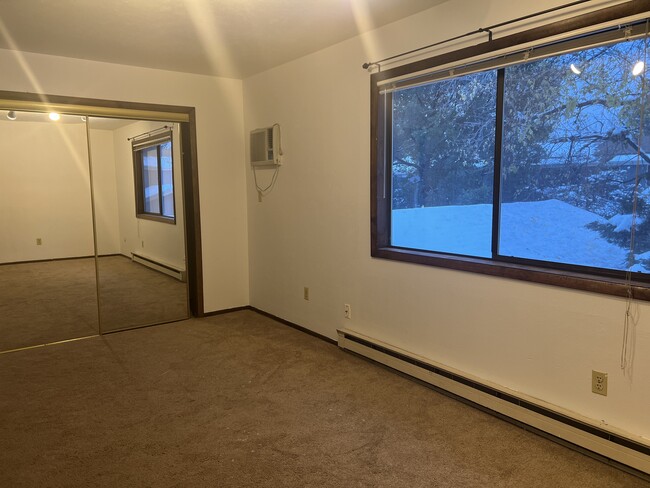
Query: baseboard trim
156, 265
602, 444
48, 260
274, 317
226, 310
294, 326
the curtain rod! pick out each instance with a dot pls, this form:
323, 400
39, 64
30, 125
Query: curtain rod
151, 132
474, 32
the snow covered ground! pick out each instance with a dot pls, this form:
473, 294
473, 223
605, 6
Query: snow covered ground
549, 230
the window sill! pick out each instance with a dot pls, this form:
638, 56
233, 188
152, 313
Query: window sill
566, 279
156, 218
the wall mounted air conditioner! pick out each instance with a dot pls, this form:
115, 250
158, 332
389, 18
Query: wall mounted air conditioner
263, 147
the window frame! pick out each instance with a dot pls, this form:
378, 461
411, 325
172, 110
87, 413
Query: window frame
611, 282
138, 148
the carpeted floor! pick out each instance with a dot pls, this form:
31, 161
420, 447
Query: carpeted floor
47, 301
239, 400
52, 301
131, 294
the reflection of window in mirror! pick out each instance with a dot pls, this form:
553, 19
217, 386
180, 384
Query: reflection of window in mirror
154, 177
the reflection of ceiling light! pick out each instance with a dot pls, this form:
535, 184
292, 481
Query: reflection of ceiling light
575, 69
638, 68
11, 115
54, 116
83, 118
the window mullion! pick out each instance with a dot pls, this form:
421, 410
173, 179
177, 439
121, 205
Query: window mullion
160, 189
496, 189
387, 170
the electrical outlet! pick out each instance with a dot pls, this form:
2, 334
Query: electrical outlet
39, 241
305, 293
599, 383
347, 311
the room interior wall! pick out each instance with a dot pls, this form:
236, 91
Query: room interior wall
313, 230
220, 147
45, 192
107, 220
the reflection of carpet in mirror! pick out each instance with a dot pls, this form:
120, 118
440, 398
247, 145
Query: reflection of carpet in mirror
132, 294
52, 301
47, 301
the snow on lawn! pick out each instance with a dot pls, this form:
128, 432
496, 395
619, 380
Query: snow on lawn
549, 230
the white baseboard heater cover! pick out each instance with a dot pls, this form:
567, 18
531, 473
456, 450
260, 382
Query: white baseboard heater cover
619, 447
173, 271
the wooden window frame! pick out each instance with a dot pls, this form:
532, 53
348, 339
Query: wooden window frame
598, 280
138, 178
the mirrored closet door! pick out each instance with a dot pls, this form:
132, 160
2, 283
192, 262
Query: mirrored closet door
93, 234
137, 188
48, 291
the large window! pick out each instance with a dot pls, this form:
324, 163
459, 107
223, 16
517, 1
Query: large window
154, 177
532, 165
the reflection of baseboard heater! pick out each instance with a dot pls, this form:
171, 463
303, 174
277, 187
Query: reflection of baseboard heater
173, 271
605, 444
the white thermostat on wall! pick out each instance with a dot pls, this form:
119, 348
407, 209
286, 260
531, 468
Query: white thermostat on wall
263, 147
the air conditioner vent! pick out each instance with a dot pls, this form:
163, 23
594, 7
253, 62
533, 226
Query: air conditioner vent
269, 136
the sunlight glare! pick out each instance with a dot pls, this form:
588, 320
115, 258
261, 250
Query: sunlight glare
203, 17
365, 27
78, 154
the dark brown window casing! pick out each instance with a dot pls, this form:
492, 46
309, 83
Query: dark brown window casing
139, 148
611, 282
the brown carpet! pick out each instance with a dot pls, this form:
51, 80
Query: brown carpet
52, 301
133, 295
239, 400
47, 301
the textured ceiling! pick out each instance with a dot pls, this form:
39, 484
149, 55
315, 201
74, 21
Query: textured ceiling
231, 38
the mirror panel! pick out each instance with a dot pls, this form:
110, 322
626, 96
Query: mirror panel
139, 222
48, 291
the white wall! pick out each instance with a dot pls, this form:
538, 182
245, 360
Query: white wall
314, 230
105, 191
45, 192
218, 103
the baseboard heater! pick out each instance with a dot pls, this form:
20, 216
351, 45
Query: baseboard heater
174, 272
608, 445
